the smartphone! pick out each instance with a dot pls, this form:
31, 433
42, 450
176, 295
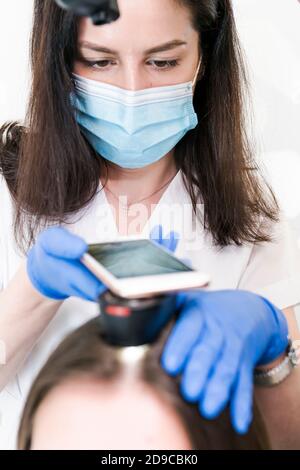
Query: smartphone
139, 268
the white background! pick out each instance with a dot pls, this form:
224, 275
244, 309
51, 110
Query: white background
270, 35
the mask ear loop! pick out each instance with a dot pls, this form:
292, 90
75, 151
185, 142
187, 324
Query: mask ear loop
196, 74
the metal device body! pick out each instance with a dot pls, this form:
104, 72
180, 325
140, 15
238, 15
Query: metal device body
127, 322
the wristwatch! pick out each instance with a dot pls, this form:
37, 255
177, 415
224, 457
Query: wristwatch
276, 375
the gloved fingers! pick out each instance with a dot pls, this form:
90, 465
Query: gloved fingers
82, 283
37, 279
201, 361
183, 337
170, 241
156, 234
242, 397
59, 242
82, 294
58, 278
218, 388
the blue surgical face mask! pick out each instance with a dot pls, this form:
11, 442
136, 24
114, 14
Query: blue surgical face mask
133, 128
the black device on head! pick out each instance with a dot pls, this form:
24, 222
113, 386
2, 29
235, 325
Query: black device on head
134, 322
100, 11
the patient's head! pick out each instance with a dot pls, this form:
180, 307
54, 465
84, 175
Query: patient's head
90, 395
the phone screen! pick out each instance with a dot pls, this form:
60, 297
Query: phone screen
135, 258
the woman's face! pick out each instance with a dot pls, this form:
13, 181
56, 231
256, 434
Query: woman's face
153, 43
88, 414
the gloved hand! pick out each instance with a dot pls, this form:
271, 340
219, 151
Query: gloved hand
55, 269
217, 341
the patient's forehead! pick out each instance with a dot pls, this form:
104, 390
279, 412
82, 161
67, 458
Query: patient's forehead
83, 413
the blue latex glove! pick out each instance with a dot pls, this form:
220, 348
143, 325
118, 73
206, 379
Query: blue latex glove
55, 269
217, 341
169, 241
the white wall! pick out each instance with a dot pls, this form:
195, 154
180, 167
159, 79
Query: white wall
15, 24
270, 34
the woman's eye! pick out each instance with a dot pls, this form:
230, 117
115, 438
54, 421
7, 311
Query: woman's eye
99, 64
163, 64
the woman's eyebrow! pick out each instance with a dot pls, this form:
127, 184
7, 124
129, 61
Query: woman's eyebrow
162, 47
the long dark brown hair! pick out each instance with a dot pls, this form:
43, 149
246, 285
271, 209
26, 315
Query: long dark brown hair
52, 171
85, 354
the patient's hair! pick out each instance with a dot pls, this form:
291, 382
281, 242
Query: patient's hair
85, 354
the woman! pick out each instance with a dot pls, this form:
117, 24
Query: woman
122, 399
148, 108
